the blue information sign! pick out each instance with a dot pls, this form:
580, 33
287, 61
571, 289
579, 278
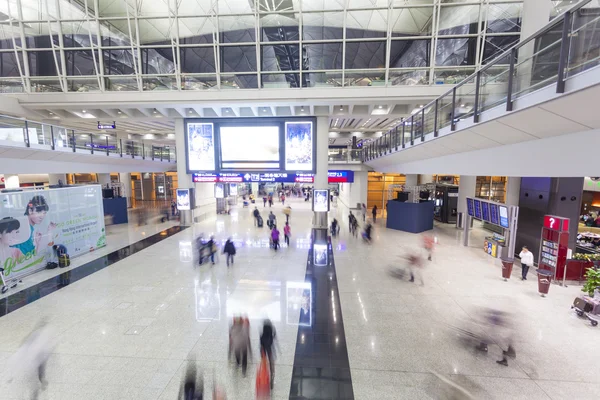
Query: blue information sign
470, 207
485, 211
477, 208
494, 214
503, 216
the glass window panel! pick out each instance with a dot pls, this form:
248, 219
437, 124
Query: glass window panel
116, 32
196, 7
317, 5
366, 24
118, 62
271, 81
322, 79
237, 29
279, 28
323, 26
238, 58
245, 81
367, 3
410, 53
197, 59
118, 8
38, 35
459, 20
412, 21
409, 77
11, 85
198, 82
280, 57
196, 30
504, 17
44, 85
159, 83
403, 3
9, 64
157, 61
77, 34
121, 84
361, 55
42, 63
496, 45
156, 30
83, 85
322, 56
452, 76
364, 78
154, 8
81, 62
456, 51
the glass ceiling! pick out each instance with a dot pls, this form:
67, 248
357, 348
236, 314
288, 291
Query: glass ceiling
143, 45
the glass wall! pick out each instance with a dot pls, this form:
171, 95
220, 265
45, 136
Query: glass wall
102, 45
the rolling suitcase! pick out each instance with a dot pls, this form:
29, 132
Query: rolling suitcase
259, 221
64, 261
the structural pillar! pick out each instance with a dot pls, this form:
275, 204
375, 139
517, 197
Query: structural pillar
184, 180
466, 188
412, 180
125, 179
104, 179
53, 179
423, 179
322, 161
254, 187
513, 189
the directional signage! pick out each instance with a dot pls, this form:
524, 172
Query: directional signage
107, 126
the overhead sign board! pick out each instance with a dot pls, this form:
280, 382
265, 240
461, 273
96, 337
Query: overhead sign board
107, 126
279, 177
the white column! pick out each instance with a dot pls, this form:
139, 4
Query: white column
11, 182
254, 187
423, 179
125, 179
321, 180
54, 178
411, 180
513, 190
104, 179
183, 178
356, 192
206, 203
466, 188
536, 14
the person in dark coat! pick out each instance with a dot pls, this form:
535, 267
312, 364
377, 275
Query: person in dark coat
229, 249
374, 214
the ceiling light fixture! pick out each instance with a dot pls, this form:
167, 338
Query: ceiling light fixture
341, 108
462, 105
154, 111
119, 112
51, 113
302, 109
380, 107
190, 111
83, 111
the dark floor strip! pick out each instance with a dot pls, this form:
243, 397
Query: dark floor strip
36, 292
321, 365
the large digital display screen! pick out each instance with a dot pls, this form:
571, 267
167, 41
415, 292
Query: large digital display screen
321, 200
201, 147
485, 211
503, 216
238, 177
494, 214
299, 146
477, 204
249, 147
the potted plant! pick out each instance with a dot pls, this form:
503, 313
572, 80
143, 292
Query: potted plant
592, 281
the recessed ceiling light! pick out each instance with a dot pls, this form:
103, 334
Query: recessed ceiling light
154, 111
380, 106
83, 111
190, 111
226, 110
341, 108
420, 105
51, 113
462, 105
119, 112
302, 109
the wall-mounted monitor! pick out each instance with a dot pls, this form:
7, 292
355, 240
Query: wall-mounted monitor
470, 207
494, 214
477, 204
504, 221
485, 211
251, 145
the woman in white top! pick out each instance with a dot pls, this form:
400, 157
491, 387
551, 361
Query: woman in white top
526, 261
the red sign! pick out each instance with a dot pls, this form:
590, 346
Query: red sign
555, 223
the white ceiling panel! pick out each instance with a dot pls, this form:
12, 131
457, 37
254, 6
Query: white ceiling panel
541, 123
501, 133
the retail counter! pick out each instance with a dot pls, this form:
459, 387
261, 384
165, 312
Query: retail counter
410, 217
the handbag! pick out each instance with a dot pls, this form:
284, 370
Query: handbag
263, 379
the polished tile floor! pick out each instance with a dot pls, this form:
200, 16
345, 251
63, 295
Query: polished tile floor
129, 330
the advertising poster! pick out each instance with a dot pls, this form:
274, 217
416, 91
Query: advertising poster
503, 216
299, 298
233, 189
299, 146
219, 191
321, 200
183, 199
320, 258
201, 147
32, 222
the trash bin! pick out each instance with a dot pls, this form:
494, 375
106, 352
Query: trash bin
544, 279
460, 220
507, 266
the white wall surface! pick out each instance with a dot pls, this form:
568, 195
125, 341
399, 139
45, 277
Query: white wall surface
561, 156
352, 193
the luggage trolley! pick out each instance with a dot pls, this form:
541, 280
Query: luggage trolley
588, 307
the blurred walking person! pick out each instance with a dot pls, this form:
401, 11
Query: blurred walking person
212, 248
364, 212
288, 213
374, 212
272, 221
239, 342
415, 266
264, 201
287, 232
268, 338
28, 365
193, 384
229, 249
256, 214
428, 245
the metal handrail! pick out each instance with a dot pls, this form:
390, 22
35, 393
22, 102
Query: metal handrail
69, 140
565, 18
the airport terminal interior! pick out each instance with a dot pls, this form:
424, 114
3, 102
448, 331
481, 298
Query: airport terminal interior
299, 199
